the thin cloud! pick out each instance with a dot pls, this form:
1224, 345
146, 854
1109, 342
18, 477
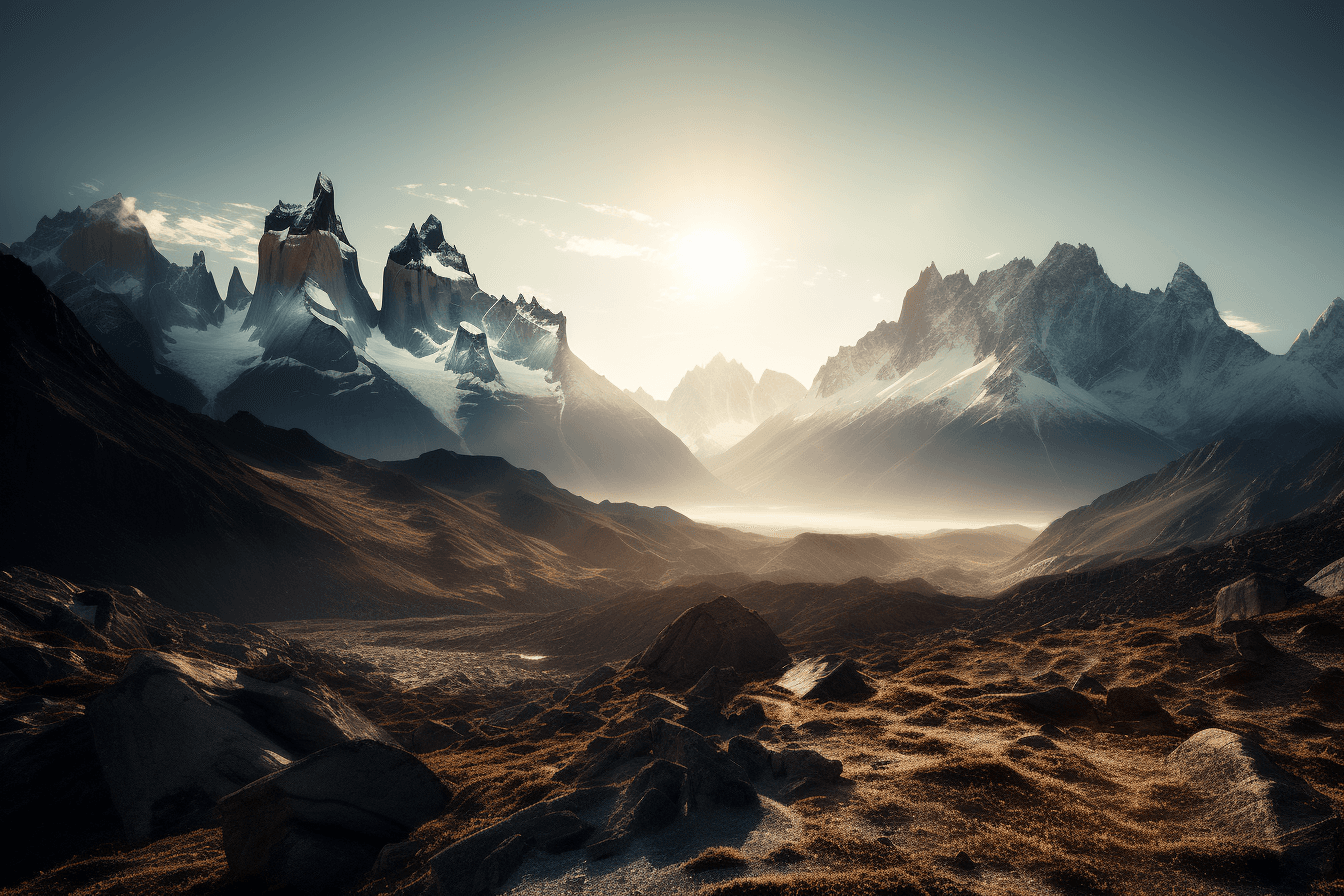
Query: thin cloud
391, 227
618, 212
877, 297
229, 228
606, 248
1245, 325
91, 186
995, 255
411, 190
249, 206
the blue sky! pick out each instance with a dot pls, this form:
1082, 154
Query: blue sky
761, 179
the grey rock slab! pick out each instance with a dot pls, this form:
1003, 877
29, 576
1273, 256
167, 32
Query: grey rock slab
1253, 801
826, 678
1252, 596
1329, 581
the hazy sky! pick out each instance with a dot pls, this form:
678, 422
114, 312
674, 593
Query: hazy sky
681, 178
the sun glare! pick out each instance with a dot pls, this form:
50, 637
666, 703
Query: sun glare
713, 259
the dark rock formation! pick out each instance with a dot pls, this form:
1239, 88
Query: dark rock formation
719, 633
320, 822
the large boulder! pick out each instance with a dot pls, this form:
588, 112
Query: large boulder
826, 678
1252, 596
711, 777
174, 735
1253, 802
719, 633
1329, 581
320, 822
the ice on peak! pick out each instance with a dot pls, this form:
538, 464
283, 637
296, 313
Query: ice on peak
470, 329
1187, 287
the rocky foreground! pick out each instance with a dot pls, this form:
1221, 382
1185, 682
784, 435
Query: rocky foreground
146, 750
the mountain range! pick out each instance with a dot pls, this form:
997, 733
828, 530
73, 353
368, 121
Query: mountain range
716, 405
1037, 386
441, 365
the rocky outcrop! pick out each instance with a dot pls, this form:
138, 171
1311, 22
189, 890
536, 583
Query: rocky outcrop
1329, 581
319, 823
469, 354
174, 735
826, 678
238, 296
720, 633
1252, 596
1252, 802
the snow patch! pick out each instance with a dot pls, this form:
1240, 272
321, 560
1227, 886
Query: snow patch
434, 387
214, 357
442, 270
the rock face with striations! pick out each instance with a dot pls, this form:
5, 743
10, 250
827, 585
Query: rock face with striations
320, 822
1255, 803
719, 633
312, 317
1329, 581
826, 678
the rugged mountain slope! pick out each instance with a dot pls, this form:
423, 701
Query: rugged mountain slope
311, 317
1036, 385
1209, 495
102, 262
715, 406
443, 365
104, 481
501, 374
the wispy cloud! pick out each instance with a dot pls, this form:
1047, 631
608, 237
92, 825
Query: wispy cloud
391, 227
230, 228
995, 255
1245, 325
877, 297
414, 190
606, 248
91, 186
618, 212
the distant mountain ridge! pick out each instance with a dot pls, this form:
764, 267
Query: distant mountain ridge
716, 405
1038, 385
443, 364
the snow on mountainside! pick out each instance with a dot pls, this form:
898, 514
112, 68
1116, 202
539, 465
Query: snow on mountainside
443, 365
1037, 382
717, 405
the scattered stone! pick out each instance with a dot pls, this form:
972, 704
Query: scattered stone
1252, 596
395, 856
963, 861
323, 820
1239, 673
1132, 703
1198, 646
499, 865
1329, 581
1254, 802
1328, 685
601, 675
455, 870
1051, 730
1086, 684
1252, 645
433, 735
720, 633
717, 686
751, 756
1058, 702
515, 715
1323, 634
826, 678
1050, 678
650, 802
1195, 709
751, 716
559, 832
710, 775
1036, 742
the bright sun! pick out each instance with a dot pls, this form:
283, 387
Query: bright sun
713, 259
